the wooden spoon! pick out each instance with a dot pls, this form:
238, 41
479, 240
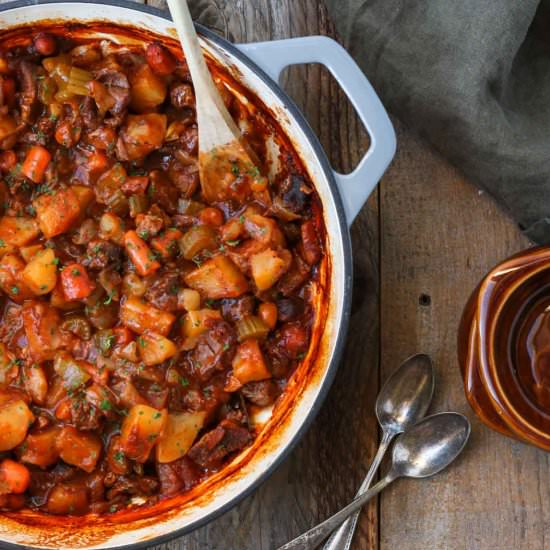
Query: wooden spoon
228, 167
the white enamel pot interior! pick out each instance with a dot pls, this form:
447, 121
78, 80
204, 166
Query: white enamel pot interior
257, 67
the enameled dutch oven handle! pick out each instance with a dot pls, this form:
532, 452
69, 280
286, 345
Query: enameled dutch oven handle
275, 56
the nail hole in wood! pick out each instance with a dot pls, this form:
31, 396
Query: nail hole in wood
425, 300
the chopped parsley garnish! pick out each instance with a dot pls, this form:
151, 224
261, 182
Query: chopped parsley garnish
119, 456
253, 171
235, 170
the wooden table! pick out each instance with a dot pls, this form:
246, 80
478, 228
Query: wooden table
420, 246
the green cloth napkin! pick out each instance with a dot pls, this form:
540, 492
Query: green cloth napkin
471, 76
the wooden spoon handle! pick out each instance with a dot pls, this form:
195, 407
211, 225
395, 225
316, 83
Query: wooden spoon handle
210, 106
181, 16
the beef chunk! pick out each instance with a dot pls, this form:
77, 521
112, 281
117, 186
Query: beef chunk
213, 447
182, 96
214, 351
40, 133
289, 309
294, 194
100, 253
118, 87
132, 485
27, 73
177, 476
234, 309
84, 415
89, 114
295, 277
261, 393
185, 178
162, 191
163, 292
149, 225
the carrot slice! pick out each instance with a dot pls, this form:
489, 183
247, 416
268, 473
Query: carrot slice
14, 477
35, 163
140, 254
76, 283
167, 243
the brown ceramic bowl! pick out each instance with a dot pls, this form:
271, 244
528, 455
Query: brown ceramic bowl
504, 348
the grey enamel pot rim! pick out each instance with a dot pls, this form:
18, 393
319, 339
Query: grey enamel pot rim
257, 66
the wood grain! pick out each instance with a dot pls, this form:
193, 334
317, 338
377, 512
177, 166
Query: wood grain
337, 449
439, 235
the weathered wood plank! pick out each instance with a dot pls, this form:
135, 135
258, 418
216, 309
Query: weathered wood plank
439, 236
337, 449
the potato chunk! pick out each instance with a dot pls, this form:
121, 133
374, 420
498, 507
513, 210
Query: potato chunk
15, 420
17, 231
148, 89
179, 434
35, 382
154, 349
141, 316
141, 135
141, 430
197, 322
249, 364
81, 449
218, 278
57, 213
11, 281
269, 266
41, 322
40, 448
40, 274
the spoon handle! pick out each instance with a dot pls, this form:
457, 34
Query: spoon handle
216, 126
342, 538
188, 37
312, 538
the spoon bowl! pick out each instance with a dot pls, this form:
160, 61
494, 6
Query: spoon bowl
430, 446
403, 400
406, 395
423, 451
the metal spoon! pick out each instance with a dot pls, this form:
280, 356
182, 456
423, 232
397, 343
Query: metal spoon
422, 451
402, 402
